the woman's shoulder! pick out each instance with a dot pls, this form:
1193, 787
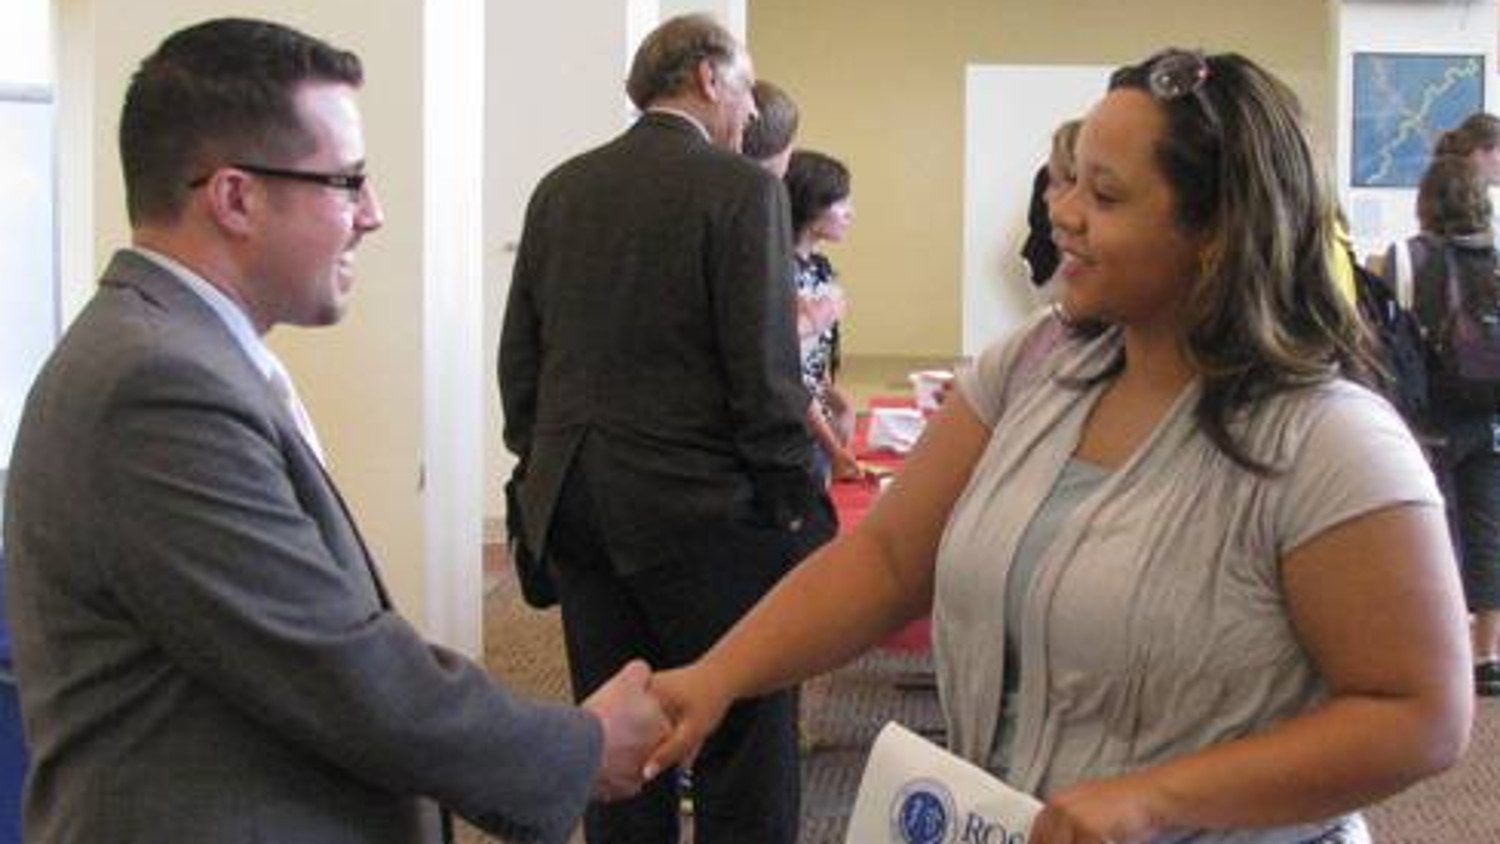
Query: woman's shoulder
1476, 250
815, 263
1040, 330
1335, 421
815, 270
1428, 248
1044, 344
1043, 329
1334, 398
1340, 451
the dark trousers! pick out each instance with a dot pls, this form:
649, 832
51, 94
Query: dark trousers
746, 781
1468, 471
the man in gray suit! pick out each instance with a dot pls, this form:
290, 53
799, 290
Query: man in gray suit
650, 381
205, 649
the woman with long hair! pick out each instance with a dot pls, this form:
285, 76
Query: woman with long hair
1189, 578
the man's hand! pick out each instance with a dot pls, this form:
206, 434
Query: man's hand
633, 726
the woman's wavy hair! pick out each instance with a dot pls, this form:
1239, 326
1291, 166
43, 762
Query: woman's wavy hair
1063, 153
1480, 130
1454, 198
1265, 314
1453, 203
814, 182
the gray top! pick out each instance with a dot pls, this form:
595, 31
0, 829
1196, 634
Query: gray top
1156, 623
1077, 480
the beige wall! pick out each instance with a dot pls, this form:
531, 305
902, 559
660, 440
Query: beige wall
881, 86
361, 380
889, 101
364, 376
582, 105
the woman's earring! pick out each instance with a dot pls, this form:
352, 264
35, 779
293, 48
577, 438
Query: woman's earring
1060, 310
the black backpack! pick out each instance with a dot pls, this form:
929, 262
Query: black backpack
1401, 351
1455, 302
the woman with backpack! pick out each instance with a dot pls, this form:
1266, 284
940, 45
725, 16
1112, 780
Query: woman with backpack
1446, 273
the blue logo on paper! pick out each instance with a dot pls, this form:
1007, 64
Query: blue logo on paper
922, 813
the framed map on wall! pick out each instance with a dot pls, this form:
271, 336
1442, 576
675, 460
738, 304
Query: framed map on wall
1402, 103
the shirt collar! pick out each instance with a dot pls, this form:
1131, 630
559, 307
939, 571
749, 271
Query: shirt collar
229, 313
677, 112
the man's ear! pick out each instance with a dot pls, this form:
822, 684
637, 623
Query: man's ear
706, 78
233, 201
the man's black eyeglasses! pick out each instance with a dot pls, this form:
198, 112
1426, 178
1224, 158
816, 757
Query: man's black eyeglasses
353, 183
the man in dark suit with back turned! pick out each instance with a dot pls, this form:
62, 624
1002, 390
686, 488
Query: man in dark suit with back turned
205, 650
649, 377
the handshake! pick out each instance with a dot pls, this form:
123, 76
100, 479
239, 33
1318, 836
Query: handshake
649, 725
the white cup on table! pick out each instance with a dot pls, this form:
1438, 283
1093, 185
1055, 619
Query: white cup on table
928, 387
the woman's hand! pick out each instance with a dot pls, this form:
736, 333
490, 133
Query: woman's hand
844, 466
695, 703
842, 410
817, 313
1118, 810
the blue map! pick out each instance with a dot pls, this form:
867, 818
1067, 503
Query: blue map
1402, 104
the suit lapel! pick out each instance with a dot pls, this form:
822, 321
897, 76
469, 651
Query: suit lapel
359, 538
159, 286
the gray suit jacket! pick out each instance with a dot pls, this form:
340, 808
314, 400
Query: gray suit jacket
205, 652
651, 332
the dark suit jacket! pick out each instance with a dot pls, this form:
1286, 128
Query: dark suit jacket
651, 332
204, 650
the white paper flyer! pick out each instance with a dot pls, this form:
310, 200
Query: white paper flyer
914, 792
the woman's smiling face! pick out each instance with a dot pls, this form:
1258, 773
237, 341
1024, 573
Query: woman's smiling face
1125, 258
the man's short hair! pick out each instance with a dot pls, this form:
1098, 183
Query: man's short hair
213, 93
772, 132
666, 60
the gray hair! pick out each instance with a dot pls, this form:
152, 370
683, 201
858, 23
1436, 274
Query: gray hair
666, 60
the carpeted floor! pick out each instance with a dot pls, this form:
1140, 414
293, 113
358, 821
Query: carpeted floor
845, 709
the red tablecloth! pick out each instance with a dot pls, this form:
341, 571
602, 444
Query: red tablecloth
853, 499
